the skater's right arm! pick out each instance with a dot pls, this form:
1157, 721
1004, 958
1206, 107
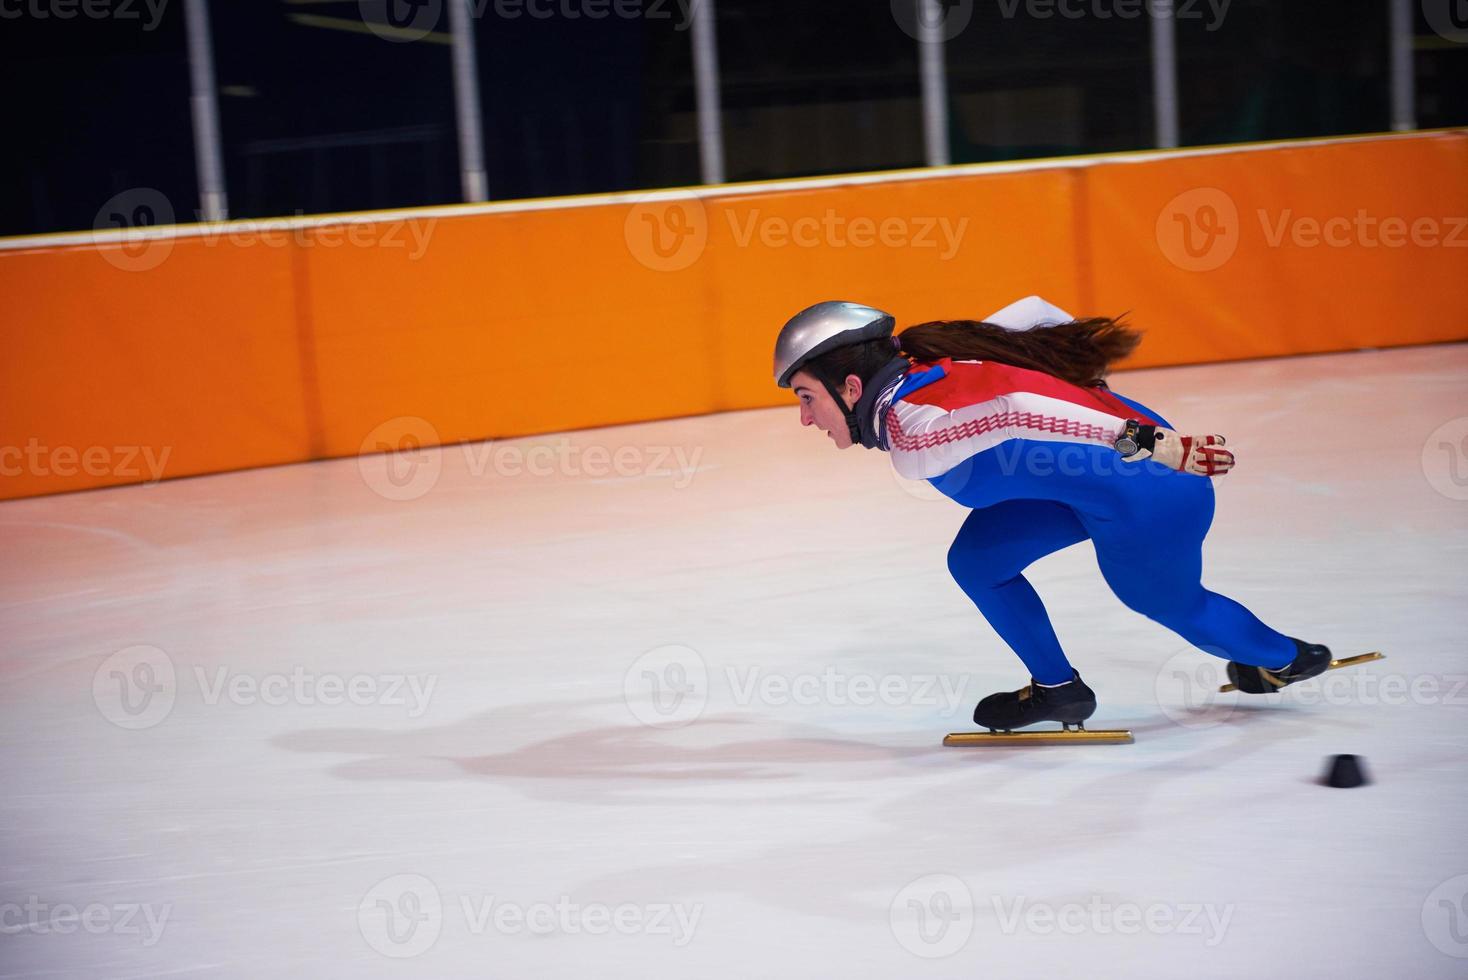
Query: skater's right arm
976, 406
1198, 455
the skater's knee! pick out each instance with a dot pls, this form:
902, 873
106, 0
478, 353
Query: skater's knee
961, 563
1138, 601
979, 568
1169, 606
1185, 619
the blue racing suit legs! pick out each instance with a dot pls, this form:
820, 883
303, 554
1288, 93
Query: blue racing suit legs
1147, 522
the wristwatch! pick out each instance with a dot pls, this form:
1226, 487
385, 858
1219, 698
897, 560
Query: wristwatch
1126, 443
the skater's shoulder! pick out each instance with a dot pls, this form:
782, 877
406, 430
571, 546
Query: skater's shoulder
950, 384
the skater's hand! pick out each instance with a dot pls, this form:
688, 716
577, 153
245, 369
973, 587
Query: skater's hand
1199, 455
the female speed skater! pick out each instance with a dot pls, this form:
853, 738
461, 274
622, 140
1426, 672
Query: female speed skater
1012, 417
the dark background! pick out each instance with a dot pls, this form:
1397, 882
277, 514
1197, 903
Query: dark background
320, 114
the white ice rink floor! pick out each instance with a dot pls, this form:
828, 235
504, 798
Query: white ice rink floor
677, 713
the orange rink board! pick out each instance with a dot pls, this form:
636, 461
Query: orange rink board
203, 349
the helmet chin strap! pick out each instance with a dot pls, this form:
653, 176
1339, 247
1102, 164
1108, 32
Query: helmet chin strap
851, 426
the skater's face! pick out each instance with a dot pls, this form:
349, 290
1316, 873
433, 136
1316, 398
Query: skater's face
817, 407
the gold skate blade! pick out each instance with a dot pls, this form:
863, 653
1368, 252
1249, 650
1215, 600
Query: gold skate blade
1101, 736
1360, 658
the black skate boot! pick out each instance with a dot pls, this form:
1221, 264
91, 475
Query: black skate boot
1070, 704
1311, 659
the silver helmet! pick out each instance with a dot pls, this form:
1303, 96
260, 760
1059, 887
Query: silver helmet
813, 331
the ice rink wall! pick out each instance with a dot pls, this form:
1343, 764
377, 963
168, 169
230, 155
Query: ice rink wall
200, 349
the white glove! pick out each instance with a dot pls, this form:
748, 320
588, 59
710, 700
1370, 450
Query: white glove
1199, 455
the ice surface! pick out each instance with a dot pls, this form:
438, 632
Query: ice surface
793, 814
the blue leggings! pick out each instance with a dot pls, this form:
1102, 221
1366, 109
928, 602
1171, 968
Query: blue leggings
1146, 521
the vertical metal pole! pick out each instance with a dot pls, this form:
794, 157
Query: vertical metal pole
1164, 73
1404, 82
474, 183
935, 81
204, 104
706, 91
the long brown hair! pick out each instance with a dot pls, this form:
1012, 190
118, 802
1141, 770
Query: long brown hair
1080, 352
